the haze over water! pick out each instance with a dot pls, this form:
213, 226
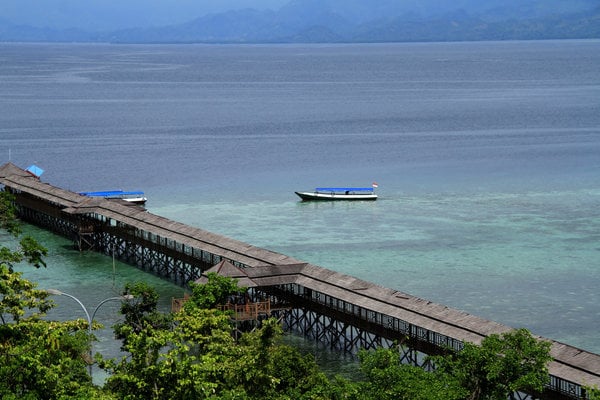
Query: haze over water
487, 157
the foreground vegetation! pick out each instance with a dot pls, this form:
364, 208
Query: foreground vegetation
193, 354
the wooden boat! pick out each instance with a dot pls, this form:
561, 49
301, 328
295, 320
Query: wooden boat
339, 193
135, 197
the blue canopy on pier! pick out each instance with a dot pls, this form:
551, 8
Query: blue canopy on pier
35, 170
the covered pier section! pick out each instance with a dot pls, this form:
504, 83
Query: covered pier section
128, 231
348, 313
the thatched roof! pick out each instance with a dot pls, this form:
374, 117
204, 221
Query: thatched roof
227, 269
9, 169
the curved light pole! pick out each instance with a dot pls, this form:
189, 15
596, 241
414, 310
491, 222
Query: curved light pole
87, 314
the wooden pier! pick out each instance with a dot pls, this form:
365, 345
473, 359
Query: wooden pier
345, 312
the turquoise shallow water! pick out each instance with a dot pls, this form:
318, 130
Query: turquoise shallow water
524, 259
91, 278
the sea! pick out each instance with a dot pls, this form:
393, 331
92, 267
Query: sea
486, 156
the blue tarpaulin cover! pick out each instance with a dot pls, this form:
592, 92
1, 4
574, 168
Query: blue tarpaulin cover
35, 170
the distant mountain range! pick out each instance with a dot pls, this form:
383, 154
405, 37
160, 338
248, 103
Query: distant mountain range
343, 21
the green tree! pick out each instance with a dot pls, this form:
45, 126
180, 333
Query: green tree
8, 213
43, 359
172, 363
140, 312
503, 364
29, 249
39, 359
593, 393
197, 357
214, 292
272, 370
387, 378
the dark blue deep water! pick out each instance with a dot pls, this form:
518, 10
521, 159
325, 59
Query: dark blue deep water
487, 157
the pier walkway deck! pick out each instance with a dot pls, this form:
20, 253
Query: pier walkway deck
339, 309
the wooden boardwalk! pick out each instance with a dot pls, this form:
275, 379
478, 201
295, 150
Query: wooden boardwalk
328, 299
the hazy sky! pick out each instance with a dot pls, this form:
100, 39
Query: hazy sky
114, 14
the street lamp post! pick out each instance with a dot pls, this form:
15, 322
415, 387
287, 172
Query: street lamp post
87, 314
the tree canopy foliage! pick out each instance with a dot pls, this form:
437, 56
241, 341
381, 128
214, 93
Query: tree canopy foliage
39, 359
198, 357
501, 365
214, 292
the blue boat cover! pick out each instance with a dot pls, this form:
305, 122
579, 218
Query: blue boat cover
343, 189
112, 193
